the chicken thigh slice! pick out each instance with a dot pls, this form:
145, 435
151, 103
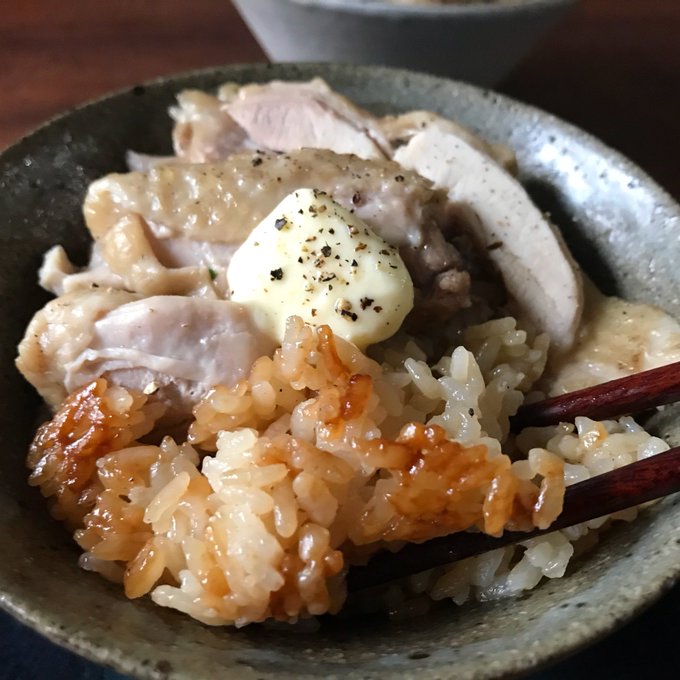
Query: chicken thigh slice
400, 129
175, 348
284, 116
536, 266
59, 333
204, 130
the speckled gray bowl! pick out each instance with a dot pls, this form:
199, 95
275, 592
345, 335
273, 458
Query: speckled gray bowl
479, 42
622, 227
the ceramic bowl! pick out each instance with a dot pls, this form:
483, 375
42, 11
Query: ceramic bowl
617, 221
478, 42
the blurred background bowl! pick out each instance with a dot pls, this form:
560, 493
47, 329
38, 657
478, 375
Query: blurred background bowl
479, 42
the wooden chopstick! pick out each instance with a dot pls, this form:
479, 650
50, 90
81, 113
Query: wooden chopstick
633, 394
601, 495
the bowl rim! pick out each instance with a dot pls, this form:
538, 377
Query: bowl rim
117, 658
474, 9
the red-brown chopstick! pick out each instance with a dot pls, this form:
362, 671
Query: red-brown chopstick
604, 494
621, 397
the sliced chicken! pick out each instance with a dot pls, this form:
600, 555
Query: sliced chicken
529, 252
59, 333
204, 131
129, 258
216, 206
400, 129
175, 348
153, 266
59, 275
284, 116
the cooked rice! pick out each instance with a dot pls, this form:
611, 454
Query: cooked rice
319, 458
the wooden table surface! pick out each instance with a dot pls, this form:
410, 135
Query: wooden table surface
612, 68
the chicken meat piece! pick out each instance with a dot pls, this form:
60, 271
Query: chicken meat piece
174, 348
276, 116
204, 131
536, 266
136, 261
285, 116
59, 275
400, 129
59, 333
216, 206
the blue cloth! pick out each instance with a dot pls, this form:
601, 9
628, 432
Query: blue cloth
645, 648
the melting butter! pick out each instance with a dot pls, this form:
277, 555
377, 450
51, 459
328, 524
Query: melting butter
312, 258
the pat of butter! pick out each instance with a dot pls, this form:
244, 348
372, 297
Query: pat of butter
312, 258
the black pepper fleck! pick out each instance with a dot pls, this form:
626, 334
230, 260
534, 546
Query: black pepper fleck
280, 223
256, 162
276, 274
366, 302
326, 251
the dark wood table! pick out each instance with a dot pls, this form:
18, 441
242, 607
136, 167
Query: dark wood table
612, 68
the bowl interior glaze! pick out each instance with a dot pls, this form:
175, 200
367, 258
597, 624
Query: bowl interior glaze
622, 228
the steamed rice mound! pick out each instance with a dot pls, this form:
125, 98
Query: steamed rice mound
283, 476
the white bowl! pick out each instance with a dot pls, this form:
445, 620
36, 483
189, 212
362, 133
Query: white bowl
478, 42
